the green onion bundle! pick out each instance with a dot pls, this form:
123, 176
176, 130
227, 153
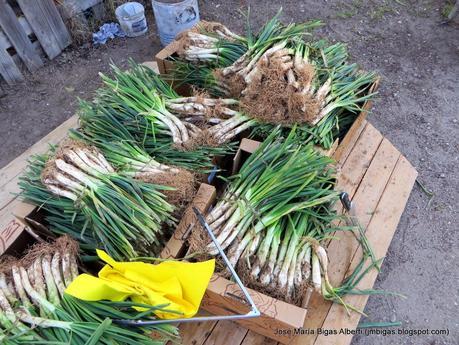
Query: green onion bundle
280, 197
156, 117
34, 308
210, 42
273, 219
87, 199
199, 69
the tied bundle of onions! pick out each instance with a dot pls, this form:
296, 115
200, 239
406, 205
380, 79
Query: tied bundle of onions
304, 84
86, 198
280, 180
141, 93
309, 84
273, 218
219, 123
200, 70
210, 42
34, 308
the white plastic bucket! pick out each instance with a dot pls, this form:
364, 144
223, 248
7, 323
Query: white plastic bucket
131, 17
174, 17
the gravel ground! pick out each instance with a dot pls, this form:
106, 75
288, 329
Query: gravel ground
417, 110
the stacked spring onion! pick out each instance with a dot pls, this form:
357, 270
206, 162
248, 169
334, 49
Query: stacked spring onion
210, 42
87, 199
273, 217
34, 308
197, 61
282, 79
272, 212
157, 117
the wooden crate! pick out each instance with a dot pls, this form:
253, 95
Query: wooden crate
38, 27
379, 180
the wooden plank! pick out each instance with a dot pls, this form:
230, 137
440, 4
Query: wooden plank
5, 42
358, 161
196, 333
8, 68
380, 232
366, 199
226, 332
74, 7
47, 25
365, 202
9, 174
253, 338
18, 37
352, 172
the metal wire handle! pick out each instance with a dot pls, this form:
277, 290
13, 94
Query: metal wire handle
254, 312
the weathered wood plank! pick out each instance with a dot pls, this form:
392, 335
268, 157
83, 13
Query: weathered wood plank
8, 68
18, 38
196, 333
366, 199
352, 172
253, 338
5, 42
380, 232
226, 332
47, 25
74, 7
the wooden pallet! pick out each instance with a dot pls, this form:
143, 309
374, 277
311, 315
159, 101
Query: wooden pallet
23, 37
378, 178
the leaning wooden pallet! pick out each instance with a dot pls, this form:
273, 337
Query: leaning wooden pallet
41, 19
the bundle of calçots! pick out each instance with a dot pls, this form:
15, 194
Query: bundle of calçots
283, 79
34, 308
156, 116
86, 198
273, 217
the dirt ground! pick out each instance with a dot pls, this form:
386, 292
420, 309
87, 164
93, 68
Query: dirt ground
417, 110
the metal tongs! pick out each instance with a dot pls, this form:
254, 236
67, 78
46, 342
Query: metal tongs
254, 312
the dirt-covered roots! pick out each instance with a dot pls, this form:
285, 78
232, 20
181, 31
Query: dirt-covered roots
271, 97
234, 83
183, 182
295, 296
62, 245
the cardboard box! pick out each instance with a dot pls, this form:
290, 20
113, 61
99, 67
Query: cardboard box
15, 234
166, 67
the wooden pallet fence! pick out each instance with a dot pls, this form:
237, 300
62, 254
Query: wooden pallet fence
28, 28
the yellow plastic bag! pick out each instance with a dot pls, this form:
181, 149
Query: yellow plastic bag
179, 284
